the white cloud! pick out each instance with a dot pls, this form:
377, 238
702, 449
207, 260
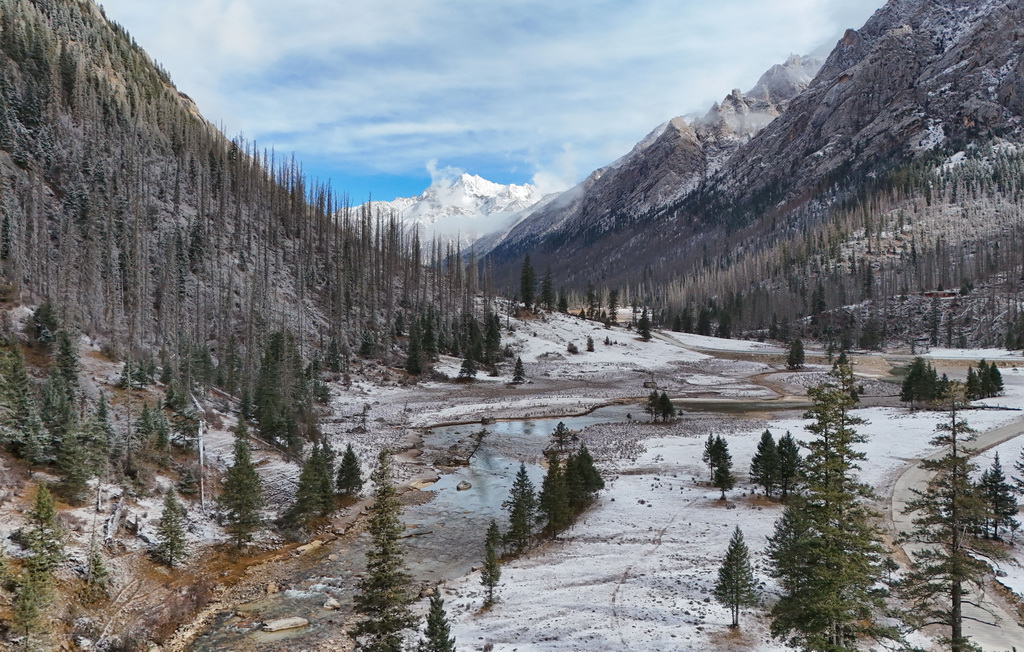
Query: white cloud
553, 90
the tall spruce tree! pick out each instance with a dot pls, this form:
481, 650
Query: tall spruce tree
31, 599
315, 494
666, 408
527, 283
708, 456
97, 577
519, 373
242, 494
21, 426
438, 635
643, 327
582, 479
547, 291
945, 570
789, 462
75, 467
44, 539
764, 466
553, 501
171, 547
999, 498
736, 586
795, 357
921, 384
825, 553
723, 477
383, 597
490, 575
350, 474
522, 512
65, 361
414, 354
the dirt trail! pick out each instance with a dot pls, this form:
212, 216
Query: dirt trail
991, 626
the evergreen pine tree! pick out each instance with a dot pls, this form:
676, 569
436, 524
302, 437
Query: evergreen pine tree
492, 338
547, 291
736, 587
44, 539
383, 596
58, 411
468, 370
315, 494
98, 436
723, 477
66, 363
242, 494
999, 498
972, 387
171, 547
825, 553
945, 568
653, 406
795, 357
921, 384
428, 341
188, 482
438, 635
29, 602
994, 386
562, 436
45, 325
75, 468
21, 426
643, 327
519, 374
527, 283
491, 573
613, 307
563, 302
708, 456
522, 512
582, 480
414, 355
96, 574
666, 408
553, 501
350, 474
1018, 480
789, 463
764, 466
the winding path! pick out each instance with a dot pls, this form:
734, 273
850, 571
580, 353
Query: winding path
1005, 632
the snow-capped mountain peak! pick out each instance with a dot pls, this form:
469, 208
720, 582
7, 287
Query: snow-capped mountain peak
464, 205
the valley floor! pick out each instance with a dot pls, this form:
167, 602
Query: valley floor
637, 571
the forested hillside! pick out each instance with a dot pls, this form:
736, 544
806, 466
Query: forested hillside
895, 172
149, 230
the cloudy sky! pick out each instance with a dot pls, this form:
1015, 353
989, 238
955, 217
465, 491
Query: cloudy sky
378, 95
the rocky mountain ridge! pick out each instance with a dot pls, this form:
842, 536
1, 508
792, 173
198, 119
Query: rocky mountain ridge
670, 162
919, 81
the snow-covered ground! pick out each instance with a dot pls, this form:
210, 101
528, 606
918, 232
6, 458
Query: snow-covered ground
637, 572
973, 354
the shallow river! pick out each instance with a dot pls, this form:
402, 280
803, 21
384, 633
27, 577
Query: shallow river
452, 526
446, 532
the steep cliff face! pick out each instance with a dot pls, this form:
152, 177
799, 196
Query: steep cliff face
918, 76
921, 77
672, 161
